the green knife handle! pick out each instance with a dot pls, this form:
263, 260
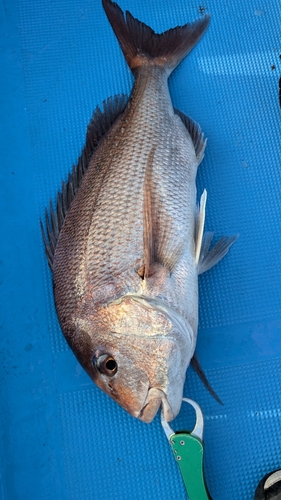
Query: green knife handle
188, 452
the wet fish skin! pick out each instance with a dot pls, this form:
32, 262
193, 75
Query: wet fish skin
108, 261
124, 267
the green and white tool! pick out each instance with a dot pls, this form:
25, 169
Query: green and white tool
188, 451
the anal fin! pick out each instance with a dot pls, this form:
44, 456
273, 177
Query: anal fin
195, 133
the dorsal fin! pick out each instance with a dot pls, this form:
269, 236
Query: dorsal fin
99, 125
195, 133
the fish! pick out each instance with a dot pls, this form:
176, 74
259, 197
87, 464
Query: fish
126, 242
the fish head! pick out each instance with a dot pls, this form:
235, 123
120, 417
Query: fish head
137, 352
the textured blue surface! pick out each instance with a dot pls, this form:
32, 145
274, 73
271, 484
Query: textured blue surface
60, 437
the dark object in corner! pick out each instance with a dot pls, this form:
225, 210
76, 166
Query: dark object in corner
269, 488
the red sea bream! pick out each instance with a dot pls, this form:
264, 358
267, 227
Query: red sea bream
126, 242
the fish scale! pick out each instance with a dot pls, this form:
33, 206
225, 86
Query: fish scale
125, 179
126, 260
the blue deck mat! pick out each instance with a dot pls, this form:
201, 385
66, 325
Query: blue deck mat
61, 437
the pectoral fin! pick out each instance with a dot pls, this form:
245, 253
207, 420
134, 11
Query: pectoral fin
149, 218
159, 245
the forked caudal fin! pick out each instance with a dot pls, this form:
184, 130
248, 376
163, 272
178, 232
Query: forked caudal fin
142, 46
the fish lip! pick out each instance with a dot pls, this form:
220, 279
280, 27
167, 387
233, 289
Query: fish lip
155, 397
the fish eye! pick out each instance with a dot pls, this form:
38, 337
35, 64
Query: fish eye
106, 364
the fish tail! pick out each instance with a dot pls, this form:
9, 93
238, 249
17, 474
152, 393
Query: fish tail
142, 46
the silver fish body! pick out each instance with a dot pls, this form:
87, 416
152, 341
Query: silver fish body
125, 264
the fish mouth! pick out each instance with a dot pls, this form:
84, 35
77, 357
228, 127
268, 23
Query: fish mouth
154, 399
